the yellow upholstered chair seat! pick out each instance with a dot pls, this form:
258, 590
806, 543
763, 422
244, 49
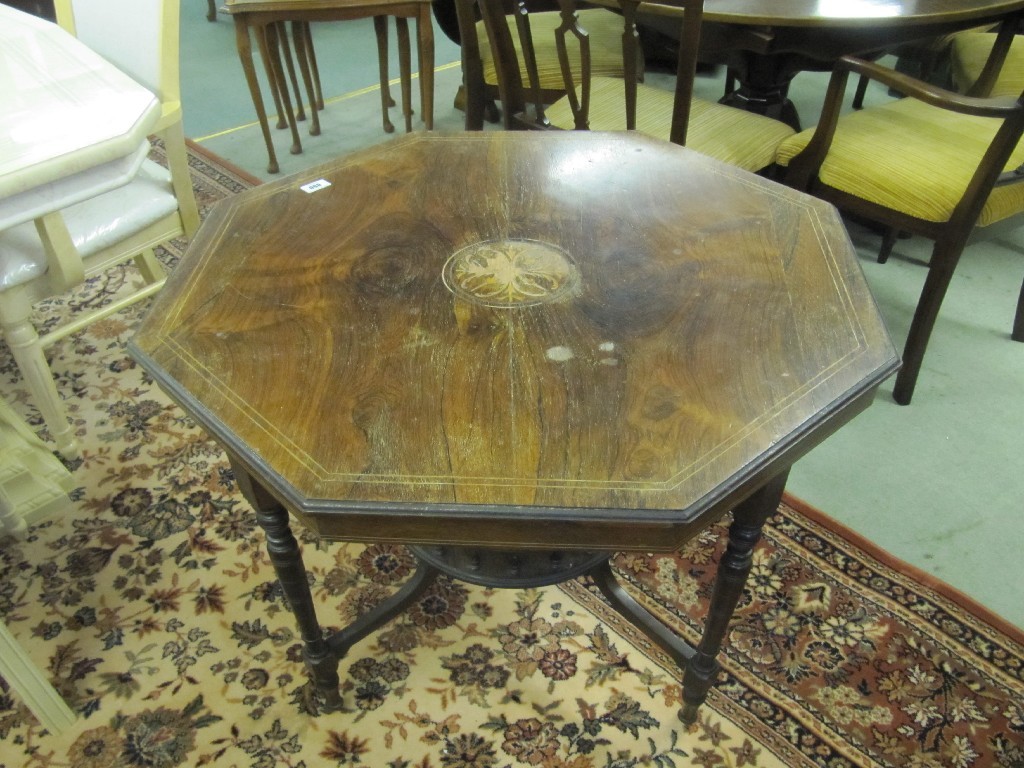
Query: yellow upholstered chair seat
737, 137
603, 27
971, 50
913, 158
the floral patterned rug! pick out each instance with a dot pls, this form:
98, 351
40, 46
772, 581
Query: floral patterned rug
152, 604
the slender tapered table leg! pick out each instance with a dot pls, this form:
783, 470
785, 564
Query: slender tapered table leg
270, 49
287, 560
286, 57
380, 27
748, 520
425, 38
244, 44
303, 47
405, 69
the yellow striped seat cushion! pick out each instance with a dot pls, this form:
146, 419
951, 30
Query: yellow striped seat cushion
603, 27
913, 158
728, 134
970, 52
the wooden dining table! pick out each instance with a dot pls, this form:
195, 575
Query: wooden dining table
765, 44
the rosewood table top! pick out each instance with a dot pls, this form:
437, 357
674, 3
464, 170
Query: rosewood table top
526, 339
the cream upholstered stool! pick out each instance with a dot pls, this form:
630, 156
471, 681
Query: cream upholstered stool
55, 234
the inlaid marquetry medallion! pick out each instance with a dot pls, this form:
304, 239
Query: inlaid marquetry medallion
510, 273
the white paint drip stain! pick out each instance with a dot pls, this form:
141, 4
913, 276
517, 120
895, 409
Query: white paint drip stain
559, 354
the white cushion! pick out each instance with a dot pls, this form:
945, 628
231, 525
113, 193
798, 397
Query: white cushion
94, 224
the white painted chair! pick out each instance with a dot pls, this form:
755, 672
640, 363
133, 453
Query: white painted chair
29, 682
50, 255
34, 485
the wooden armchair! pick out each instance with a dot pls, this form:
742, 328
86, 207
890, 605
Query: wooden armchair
936, 164
52, 255
480, 69
615, 103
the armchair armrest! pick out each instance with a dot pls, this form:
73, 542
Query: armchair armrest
997, 107
804, 167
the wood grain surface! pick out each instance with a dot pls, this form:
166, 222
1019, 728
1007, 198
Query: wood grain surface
824, 13
514, 338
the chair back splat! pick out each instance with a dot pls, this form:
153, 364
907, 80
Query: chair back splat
579, 68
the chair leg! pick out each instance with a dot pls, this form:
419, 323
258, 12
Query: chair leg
211, 10
28, 354
1018, 320
888, 241
380, 26
862, 89
943, 263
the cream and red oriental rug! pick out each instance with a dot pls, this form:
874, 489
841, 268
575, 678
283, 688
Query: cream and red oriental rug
153, 606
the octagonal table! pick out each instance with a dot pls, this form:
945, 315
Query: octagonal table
518, 353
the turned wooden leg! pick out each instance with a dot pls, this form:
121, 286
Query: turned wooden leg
748, 519
287, 560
